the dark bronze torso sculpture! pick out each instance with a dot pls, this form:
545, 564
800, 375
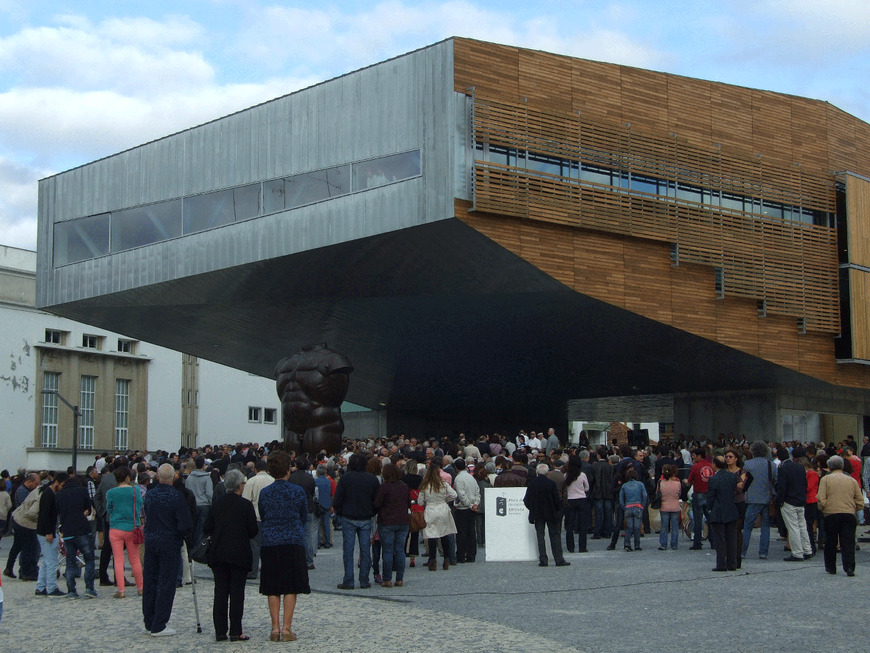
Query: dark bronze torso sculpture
311, 385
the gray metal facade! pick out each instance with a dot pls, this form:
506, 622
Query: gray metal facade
399, 105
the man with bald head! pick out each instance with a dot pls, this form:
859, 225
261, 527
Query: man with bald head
167, 523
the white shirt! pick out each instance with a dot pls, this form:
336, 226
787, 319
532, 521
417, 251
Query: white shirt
252, 488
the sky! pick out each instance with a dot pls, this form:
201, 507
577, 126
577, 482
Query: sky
83, 80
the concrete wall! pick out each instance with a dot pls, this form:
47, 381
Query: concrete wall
225, 395
752, 414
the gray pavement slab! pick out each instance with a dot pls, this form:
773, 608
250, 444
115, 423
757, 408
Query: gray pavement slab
605, 601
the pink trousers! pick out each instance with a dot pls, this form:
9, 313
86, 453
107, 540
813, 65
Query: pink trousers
120, 539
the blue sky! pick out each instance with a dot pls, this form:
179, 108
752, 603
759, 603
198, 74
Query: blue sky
83, 80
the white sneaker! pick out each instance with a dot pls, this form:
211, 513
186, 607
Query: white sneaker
166, 632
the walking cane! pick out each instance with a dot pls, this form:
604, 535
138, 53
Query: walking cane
193, 587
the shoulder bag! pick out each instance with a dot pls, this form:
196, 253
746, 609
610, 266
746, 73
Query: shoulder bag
656, 502
138, 531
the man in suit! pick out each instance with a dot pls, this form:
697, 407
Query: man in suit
544, 504
723, 515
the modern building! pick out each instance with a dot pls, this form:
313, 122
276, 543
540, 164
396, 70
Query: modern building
131, 394
499, 237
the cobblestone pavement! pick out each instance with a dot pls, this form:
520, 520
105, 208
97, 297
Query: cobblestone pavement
606, 601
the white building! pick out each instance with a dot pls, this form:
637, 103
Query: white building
131, 394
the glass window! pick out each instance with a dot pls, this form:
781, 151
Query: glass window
144, 225
79, 240
253, 414
208, 210
771, 210
90, 342
733, 202
548, 164
246, 201
505, 156
644, 184
386, 170
122, 413
273, 196
86, 408
595, 174
54, 337
270, 416
50, 381
690, 193
311, 187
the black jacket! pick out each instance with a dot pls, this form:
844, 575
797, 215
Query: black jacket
720, 497
600, 484
306, 481
46, 523
72, 503
355, 495
542, 499
791, 484
232, 523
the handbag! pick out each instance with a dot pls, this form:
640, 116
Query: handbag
202, 551
138, 531
656, 502
418, 521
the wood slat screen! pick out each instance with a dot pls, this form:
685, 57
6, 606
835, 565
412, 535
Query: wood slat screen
790, 265
566, 136
858, 219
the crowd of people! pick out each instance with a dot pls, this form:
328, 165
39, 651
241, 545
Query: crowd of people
267, 511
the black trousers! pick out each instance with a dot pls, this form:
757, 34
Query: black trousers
106, 555
840, 529
433, 547
555, 540
466, 539
161, 572
577, 518
229, 588
723, 536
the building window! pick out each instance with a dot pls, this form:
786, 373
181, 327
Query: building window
196, 398
54, 337
270, 416
253, 414
90, 342
86, 408
126, 346
50, 381
122, 413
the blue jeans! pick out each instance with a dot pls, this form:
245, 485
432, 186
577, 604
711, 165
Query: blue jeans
361, 530
325, 524
700, 512
603, 518
47, 579
670, 523
393, 543
312, 525
752, 511
83, 544
633, 518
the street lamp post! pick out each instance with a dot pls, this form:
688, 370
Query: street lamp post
76, 415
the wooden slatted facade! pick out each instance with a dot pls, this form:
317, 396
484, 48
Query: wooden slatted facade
617, 245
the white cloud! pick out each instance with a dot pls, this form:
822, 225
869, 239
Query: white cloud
68, 127
18, 203
106, 56
279, 37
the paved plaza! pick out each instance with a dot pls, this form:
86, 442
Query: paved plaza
605, 601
